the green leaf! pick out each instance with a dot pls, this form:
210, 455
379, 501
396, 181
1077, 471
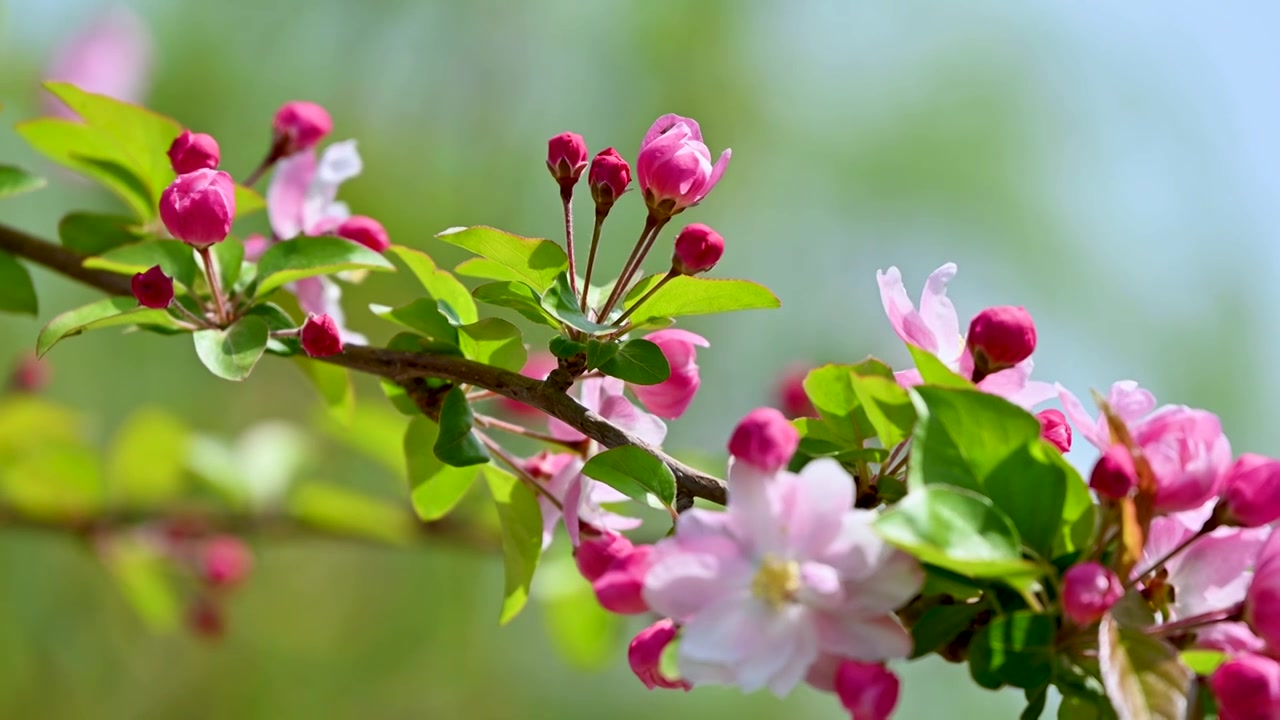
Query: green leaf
146, 461
639, 362
691, 295
227, 257
488, 270
457, 444
934, 372
100, 314
288, 262
338, 510
1037, 698
562, 304
144, 576
941, 624
436, 488
535, 262
887, 406
518, 297
440, 284
1015, 649
277, 319
1078, 705
1144, 678
248, 201
422, 316
521, 536
231, 353
408, 342
495, 342
584, 633
90, 152
334, 385
633, 472
17, 293
57, 481
1203, 662
600, 352
564, 348
175, 258
94, 234
958, 531
15, 181
830, 389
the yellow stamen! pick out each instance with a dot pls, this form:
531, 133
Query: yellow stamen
777, 580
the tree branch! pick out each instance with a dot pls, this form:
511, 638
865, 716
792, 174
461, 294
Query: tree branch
404, 366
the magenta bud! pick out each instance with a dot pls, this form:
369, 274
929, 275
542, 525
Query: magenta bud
1001, 337
1263, 596
1247, 687
1252, 491
765, 439
225, 561
698, 249
320, 336
620, 588
298, 126
674, 168
366, 231
198, 207
595, 556
193, 151
30, 374
567, 158
792, 399
153, 288
1114, 476
869, 691
545, 464
645, 656
609, 177
1088, 591
1054, 429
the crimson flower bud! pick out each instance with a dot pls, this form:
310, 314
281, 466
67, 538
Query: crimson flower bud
1251, 492
1114, 476
674, 166
1247, 687
869, 691
153, 288
1088, 591
1054, 429
609, 177
193, 151
567, 158
320, 337
545, 465
764, 439
645, 656
792, 399
620, 588
595, 556
225, 561
206, 620
698, 249
198, 207
298, 126
30, 374
1000, 337
366, 231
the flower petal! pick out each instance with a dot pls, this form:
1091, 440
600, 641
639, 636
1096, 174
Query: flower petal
813, 506
906, 322
870, 639
286, 193
939, 314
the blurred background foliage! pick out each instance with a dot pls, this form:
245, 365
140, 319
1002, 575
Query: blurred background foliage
1113, 168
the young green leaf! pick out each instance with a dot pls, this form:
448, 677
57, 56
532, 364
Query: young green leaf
639, 362
231, 353
1014, 649
440, 284
88, 151
147, 459
1203, 662
941, 624
457, 444
17, 293
887, 406
103, 313
564, 348
422, 315
487, 270
518, 297
600, 352
633, 472
830, 389
94, 234
15, 181
934, 372
287, 262
339, 510
277, 319
560, 302
521, 536
227, 257
175, 258
691, 295
536, 262
334, 385
1144, 678
436, 488
493, 341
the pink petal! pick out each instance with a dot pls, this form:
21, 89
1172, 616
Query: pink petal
286, 192
813, 506
689, 575
1214, 573
908, 378
666, 123
1093, 430
755, 509
939, 315
340, 162
867, 639
902, 314
717, 172
763, 646
1130, 401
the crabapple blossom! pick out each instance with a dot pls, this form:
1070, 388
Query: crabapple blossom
674, 167
670, 398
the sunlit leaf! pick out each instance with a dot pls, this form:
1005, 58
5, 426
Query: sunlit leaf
288, 262
1144, 678
560, 301
103, 313
231, 353
16, 181
422, 316
495, 342
633, 472
440, 284
17, 293
94, 234
436, 487
518, 297
175, 258
692, 295
146, 460
1014, 649
457, 444
521, 536
536, 262
638, 361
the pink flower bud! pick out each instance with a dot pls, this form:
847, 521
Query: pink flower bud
869, 691
1114, 476
30, 374
1188, 453
792, 398
674, 166
545, 465
645, 656
765, 439
595, 556
620, 588
567, 158
1001, 337
320, 336
298, 126
538, 366
1263, 597
671, 397
366, 231
198, 207
1251, 491
1247, 687
1088, 591
153, 288
193, 151
698, 249
1054, 429
254, 247
609, 177
225, 561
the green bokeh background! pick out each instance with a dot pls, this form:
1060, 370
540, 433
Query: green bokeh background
1111, 169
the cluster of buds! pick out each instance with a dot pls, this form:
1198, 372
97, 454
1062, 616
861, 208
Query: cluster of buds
213, 567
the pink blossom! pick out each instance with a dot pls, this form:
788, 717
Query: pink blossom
1088, 592
1251, 491
604, 396
199, 207
674, 167
869, 691
671, 397
1054, 429
302, 197
1129, 402
594, 555
1247, 687
364, 230
226, 561
110, 56
620, 588
764, 439
935, 328
321, 296
788, 572
645, 656
1263, 596
320, 337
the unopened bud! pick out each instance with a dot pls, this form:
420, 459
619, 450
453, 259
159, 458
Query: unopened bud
153, 288
698, 249
225, 561
1088, 592
567, 158
609, 177
1054, 429
320, 336
193, 151
765, 439
999, 338
298, 126
198, 207
1115, 475
366, 231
